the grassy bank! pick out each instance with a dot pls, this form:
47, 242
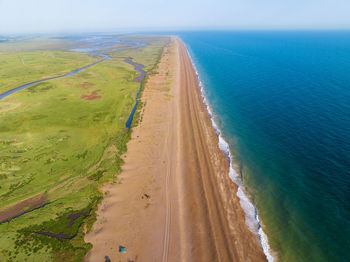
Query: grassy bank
61, 140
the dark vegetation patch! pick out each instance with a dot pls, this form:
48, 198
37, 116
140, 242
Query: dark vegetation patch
100, 116
38, 117
59, 236
7, 142
82, 155
63, 235
96, 176
22, 207
72, 217
15, 186
3, 177
75, 216
41, 87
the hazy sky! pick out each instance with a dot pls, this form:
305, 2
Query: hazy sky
18, 16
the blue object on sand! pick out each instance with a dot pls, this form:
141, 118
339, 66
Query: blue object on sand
122, 249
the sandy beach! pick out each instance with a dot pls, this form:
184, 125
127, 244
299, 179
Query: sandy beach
175, 201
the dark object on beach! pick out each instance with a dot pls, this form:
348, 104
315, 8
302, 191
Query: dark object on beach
107, 259
122, 249
146, 196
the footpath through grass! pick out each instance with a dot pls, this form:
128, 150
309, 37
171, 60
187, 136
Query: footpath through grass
59, 141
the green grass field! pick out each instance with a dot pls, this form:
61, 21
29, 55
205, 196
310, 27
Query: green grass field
61, 140
23, 67
32, 43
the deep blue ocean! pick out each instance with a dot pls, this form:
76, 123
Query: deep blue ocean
282, 102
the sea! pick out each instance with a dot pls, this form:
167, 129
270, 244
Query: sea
280, 103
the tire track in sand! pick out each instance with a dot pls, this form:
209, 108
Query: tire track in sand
167, 200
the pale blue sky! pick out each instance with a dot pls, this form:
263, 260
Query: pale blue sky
51, 16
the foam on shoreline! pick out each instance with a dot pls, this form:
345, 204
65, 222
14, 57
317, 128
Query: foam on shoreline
251, 215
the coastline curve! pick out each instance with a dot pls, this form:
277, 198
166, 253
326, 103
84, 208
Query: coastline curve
251, 213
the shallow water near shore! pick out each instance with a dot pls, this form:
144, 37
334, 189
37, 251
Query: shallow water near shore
281, 101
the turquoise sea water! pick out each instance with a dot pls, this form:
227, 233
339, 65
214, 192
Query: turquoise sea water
282, 102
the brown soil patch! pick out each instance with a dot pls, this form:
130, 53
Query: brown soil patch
92, 96
25, 206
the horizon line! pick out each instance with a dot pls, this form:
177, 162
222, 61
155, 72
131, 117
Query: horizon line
169, 30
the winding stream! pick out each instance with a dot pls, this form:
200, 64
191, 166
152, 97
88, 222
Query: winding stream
99, 51
7, 93
138, 79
